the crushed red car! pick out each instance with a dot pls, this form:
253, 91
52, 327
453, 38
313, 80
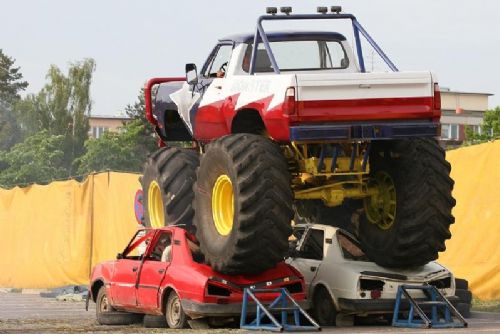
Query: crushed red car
162, 272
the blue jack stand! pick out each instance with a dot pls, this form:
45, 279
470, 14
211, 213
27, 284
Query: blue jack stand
442, 313
279, 305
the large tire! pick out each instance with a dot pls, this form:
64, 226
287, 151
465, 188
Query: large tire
420, 175
169, 175
107, 315
252, 235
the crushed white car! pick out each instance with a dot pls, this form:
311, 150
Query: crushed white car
341, 281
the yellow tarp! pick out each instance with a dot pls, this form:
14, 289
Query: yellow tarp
473, 252
51, 235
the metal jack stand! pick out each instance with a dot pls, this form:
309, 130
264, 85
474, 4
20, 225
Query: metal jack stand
442, 313
284, 304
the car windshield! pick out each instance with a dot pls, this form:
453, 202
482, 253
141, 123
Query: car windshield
350, 248
302, 55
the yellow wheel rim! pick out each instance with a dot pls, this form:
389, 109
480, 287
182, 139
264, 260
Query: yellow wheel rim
380, 209
223, 205
156, 210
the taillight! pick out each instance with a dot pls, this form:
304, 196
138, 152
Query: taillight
289, 105
437, 97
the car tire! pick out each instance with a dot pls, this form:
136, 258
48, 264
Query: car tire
464, 296
248, 174
461, 284
167, 183
463, 309
323, 308
414, 232
107, 315
154, 321
174, 314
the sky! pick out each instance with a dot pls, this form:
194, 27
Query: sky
132, 41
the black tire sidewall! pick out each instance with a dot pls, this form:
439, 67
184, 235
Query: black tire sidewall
323, 308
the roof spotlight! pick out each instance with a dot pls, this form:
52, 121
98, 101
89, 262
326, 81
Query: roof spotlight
286, 10
336, 9
322, 10
271, 10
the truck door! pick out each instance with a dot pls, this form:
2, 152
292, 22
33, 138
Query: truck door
310, 255
152, 272
202, 104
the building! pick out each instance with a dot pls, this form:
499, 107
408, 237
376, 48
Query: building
459, 111
99, 124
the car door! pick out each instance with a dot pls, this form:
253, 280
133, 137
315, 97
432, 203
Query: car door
122, 289
153, 271
310, 255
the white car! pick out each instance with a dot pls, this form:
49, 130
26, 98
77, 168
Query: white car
341, 281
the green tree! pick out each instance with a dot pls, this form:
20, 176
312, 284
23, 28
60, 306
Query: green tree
11, 84
123, 151
62, 107
490, 128
39, 158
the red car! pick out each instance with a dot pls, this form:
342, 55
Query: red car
162, 272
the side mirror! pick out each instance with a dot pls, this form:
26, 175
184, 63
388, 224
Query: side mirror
119, 256
191, 74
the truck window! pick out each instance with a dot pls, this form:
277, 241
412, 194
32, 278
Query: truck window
217, 66
313, 246
299, 56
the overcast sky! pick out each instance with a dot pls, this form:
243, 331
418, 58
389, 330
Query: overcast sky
132, 41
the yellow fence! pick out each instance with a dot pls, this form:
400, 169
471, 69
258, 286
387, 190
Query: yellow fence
473, 252
52, 235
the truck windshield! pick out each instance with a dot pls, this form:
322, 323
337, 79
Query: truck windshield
303, 55
350, 248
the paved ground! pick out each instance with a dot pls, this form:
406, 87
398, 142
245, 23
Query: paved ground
24, 313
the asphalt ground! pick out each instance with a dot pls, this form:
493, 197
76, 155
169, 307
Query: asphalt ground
30, 313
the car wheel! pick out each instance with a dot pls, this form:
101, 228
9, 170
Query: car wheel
324, 311
174, 314
107, 315
461, 284
154, 321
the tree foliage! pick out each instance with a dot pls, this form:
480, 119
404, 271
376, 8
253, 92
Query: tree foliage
490, 129
39, 158
123, 151
11, 84
62, 107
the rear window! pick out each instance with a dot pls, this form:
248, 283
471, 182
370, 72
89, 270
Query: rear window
299, 56
351, 249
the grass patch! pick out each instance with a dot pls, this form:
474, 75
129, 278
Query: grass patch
485, 306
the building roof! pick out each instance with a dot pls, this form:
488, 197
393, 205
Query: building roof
449, 91
286, 35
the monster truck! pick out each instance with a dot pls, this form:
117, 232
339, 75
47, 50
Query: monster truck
290, 125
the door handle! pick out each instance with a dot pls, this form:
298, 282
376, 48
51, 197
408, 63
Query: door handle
218, 87
365, 86
134, 269
313, 269
161, 271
